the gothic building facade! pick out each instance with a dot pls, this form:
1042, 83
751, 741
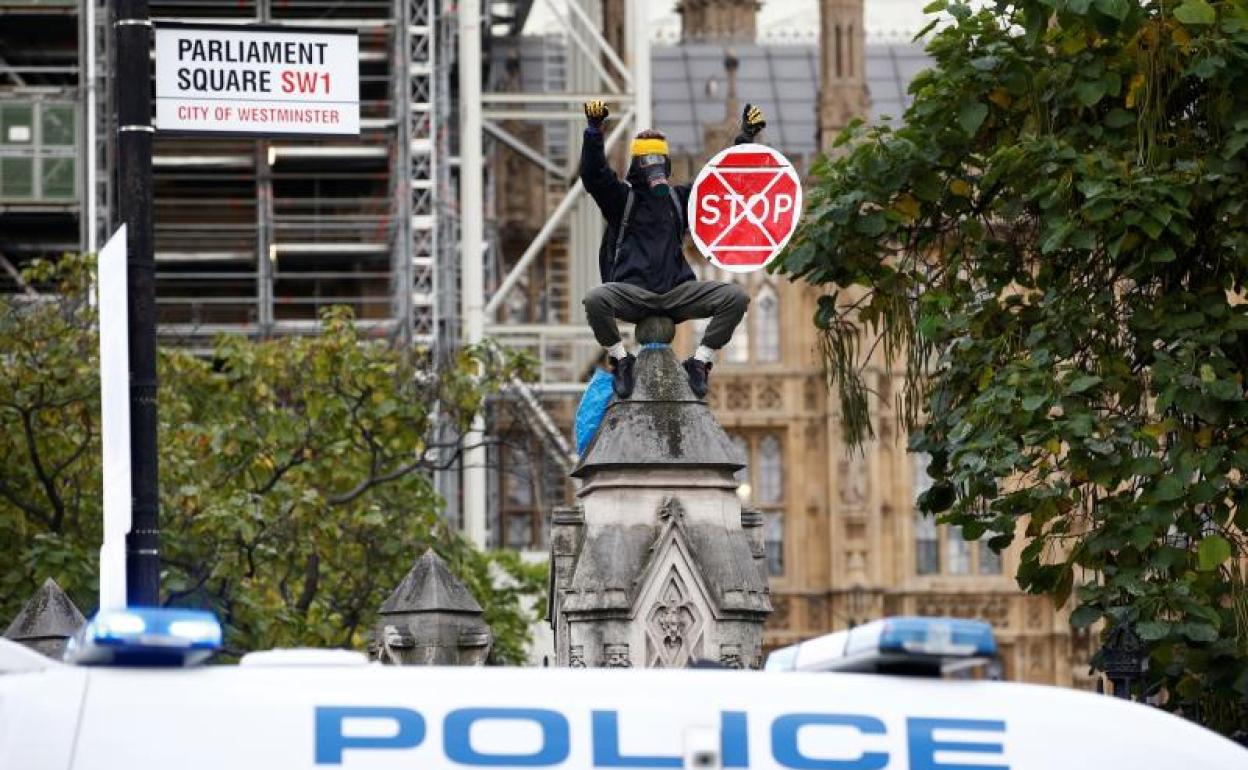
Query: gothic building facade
844, 540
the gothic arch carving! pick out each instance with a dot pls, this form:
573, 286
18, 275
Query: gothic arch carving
674, 624
673, 604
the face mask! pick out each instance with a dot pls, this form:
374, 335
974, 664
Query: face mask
654, 167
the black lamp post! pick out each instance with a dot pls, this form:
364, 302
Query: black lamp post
1124, 659
132, 35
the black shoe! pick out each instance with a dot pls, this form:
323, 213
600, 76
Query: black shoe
699, 376
622, 375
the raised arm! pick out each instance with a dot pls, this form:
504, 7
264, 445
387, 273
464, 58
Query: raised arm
600, 180
752, 122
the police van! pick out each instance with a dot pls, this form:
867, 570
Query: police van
132, 695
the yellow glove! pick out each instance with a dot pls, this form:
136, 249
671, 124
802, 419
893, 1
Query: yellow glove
752, 120
596, 113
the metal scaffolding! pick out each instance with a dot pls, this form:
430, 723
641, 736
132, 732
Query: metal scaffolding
258, 236
625, 81
414, 272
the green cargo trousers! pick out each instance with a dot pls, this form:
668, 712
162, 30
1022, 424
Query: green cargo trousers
724, 303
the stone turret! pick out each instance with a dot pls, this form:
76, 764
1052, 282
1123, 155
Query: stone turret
842, 68
654, 567
718, 21
431, 619
47, 621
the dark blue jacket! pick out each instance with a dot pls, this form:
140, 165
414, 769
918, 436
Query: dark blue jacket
651, 255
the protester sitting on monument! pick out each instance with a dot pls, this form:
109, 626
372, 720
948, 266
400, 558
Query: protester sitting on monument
642, 264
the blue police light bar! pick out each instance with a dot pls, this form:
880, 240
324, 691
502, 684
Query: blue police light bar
146, 636
901, 645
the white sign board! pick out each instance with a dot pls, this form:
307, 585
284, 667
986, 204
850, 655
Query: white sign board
257, 80
115, 418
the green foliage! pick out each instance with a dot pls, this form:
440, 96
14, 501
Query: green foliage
295, 474
1055, 243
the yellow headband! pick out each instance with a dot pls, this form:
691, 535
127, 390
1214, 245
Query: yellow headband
650, 147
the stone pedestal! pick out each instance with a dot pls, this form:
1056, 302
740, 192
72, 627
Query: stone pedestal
658, 566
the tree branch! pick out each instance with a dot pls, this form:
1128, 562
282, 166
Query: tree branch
421, 462
77, 453
297, 458
28, 507
311, 580
48, 483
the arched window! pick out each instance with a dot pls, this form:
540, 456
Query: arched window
926, 536
767, 325
773, 541
957, 552
989, 560
849, 50
941, 548
762, 486
770, 473
838, 50
770, 496
926, 545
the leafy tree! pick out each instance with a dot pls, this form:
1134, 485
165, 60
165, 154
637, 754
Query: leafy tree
1055, 244
295, 473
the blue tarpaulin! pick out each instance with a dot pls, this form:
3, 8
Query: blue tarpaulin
593, 406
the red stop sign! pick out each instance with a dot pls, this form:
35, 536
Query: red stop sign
744, 207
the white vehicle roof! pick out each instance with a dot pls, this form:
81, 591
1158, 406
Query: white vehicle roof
280, 713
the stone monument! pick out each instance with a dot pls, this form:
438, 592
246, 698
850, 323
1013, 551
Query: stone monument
430, 619
658, 566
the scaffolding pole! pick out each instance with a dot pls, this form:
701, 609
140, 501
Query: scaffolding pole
92, 207
446, 230
402, 257
640, 36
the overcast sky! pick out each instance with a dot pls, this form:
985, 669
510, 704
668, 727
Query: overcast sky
778, 19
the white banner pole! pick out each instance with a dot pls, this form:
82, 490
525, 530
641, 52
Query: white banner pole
115, 418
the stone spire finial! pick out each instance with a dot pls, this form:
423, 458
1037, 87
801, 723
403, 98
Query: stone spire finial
718, 21
731, 65
431, 619
47, 621
430, 587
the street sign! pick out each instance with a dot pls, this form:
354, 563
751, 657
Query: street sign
257, 80
744, 207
